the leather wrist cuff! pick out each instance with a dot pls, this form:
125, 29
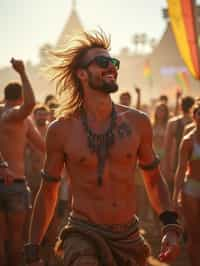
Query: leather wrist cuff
168, 217
31, 253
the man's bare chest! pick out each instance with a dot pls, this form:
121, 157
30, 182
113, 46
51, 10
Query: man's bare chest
124, 148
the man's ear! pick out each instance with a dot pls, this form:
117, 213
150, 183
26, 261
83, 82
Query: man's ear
81, 74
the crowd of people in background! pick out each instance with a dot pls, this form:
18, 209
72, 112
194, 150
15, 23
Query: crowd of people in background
23, 127
176, 140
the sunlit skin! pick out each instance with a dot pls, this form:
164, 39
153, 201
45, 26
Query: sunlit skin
159, 129
171, 145
113, 202
15, 129
190, 203
35, 157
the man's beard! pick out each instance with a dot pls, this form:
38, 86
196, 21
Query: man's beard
103, 86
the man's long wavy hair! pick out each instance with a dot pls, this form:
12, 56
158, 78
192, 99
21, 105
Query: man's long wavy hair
66, 63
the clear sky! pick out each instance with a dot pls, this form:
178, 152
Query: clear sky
25, 25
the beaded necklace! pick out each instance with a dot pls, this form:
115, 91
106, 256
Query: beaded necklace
100, 143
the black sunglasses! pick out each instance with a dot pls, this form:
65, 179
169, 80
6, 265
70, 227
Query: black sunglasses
103, 62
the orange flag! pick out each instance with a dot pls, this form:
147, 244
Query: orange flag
182, 17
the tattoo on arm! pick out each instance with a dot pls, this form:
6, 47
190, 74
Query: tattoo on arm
124, 130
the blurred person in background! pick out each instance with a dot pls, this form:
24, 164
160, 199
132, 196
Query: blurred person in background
53, 106
125, 98
163, 99
49, 98
177, 109
34, 159
15, 130
191, 125
187, 186
173, 136
159, 124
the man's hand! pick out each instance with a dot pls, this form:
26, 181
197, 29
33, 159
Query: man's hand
18, 65
137, 90
178, 94
170, 248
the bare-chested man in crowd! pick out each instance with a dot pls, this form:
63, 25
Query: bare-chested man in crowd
34, 157
100, 144
34, 160
15, 129
173, 136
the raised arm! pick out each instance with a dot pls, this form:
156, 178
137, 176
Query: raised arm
25, 109
177, 104
138, 99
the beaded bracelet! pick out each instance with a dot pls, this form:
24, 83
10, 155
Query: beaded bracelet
177, 228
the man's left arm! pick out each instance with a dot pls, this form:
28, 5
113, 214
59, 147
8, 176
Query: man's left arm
155, 184
158, 193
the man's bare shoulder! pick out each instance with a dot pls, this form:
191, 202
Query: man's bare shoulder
174, 120
188, 139
7, 112
60, 125
132, 113
189, 128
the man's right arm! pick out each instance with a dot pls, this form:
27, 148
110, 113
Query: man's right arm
138, 99
46, 198
28, 96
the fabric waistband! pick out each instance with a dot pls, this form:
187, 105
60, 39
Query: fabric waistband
115, 228
16, 180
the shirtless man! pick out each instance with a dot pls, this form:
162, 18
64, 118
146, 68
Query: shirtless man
34, 163
34, 158
187, 186
100, 143
125, 98
173, 136
15, 129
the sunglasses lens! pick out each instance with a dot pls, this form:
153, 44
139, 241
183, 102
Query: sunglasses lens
115, 62
102, 61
